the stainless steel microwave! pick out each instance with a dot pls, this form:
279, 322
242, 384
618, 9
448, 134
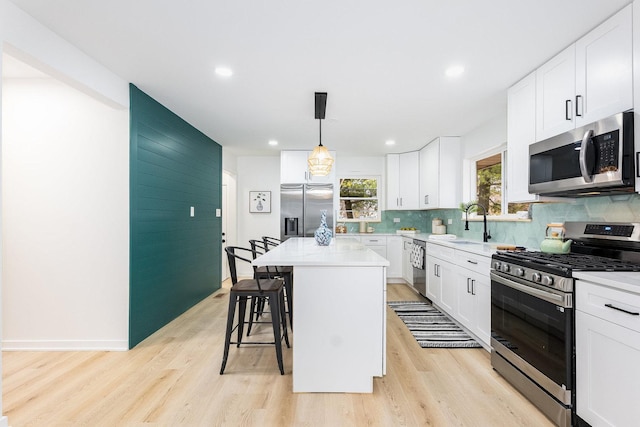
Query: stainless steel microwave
590, 160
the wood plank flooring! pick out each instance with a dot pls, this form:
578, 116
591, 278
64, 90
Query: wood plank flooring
172, 379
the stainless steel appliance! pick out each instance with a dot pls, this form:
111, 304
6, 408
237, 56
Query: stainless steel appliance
532, 316
419, 264
300, 206
594, 159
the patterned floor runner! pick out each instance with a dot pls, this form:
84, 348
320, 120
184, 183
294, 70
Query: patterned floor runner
430, 327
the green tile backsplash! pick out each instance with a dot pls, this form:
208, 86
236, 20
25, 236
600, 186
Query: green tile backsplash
621, 208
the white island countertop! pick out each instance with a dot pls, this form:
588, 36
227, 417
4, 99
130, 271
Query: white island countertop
341, 252
339, 313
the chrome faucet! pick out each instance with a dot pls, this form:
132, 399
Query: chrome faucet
485, 236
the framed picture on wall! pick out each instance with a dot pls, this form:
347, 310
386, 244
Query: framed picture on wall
260, 201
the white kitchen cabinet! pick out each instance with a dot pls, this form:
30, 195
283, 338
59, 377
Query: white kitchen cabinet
521, 132
589, 80
407, 267
636, 84
607, 355
458, 283
394, 256
473, 307
441, 289
294, 169
378, 244
402, 181
555, 87
440, 174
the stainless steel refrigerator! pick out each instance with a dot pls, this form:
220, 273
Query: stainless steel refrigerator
300, 206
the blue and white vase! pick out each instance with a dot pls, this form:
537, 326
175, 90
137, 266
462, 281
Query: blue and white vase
323, 234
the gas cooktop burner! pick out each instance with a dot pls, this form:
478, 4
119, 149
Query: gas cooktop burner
575, 262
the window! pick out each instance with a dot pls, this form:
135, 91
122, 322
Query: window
489, 183
359, 199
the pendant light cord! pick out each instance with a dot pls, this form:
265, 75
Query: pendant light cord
320, 121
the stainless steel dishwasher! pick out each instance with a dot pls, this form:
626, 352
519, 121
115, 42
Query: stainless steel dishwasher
419, 264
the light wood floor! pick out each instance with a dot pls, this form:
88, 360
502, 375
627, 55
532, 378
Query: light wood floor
172, 379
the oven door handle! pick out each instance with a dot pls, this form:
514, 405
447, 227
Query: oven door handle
562, 300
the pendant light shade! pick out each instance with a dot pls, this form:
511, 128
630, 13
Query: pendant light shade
320, 161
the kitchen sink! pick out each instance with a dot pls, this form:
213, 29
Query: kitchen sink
465, 242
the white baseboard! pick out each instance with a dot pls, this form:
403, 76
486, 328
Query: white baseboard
19, 345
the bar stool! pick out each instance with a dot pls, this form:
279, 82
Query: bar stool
287, 274
262, 272
270, 289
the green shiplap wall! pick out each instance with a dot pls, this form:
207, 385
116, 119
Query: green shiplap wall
175, 258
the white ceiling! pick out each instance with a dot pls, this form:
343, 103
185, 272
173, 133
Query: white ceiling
382, 63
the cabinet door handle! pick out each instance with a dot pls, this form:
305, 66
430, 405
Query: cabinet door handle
473, 286
468, 280
472, 262
400, 201
426, 199
579, 106
567, 109
633, 313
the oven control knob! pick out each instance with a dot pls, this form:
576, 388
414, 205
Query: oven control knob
505, 268
496, 265
519, 272
536, 277
547, 280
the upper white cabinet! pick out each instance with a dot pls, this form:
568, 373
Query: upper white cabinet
589, 80
521, 132
403, 174
295, 170
440, 174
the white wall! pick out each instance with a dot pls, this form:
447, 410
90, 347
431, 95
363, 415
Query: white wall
360, 165
489, 135
257, 173
486, 137
65, 215
26, 39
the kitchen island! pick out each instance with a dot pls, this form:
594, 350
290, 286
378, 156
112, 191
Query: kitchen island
339, 319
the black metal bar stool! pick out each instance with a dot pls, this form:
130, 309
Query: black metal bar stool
271, 290
287, 274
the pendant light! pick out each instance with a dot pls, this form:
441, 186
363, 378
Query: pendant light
320, 161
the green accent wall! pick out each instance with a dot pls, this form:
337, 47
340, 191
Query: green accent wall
175, 259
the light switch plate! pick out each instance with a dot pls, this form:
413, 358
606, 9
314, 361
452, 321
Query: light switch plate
449, 221
396, 220
193, 211
218, 213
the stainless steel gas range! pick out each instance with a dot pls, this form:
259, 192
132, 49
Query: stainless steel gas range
532, 311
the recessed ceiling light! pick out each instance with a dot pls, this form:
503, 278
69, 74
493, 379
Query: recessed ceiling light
273, 142
454, 71
224, 71
390, 142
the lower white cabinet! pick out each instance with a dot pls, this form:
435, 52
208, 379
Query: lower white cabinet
458, 282
394, 256
440, 277
389, 247
473, 308
407, 267
607, 355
